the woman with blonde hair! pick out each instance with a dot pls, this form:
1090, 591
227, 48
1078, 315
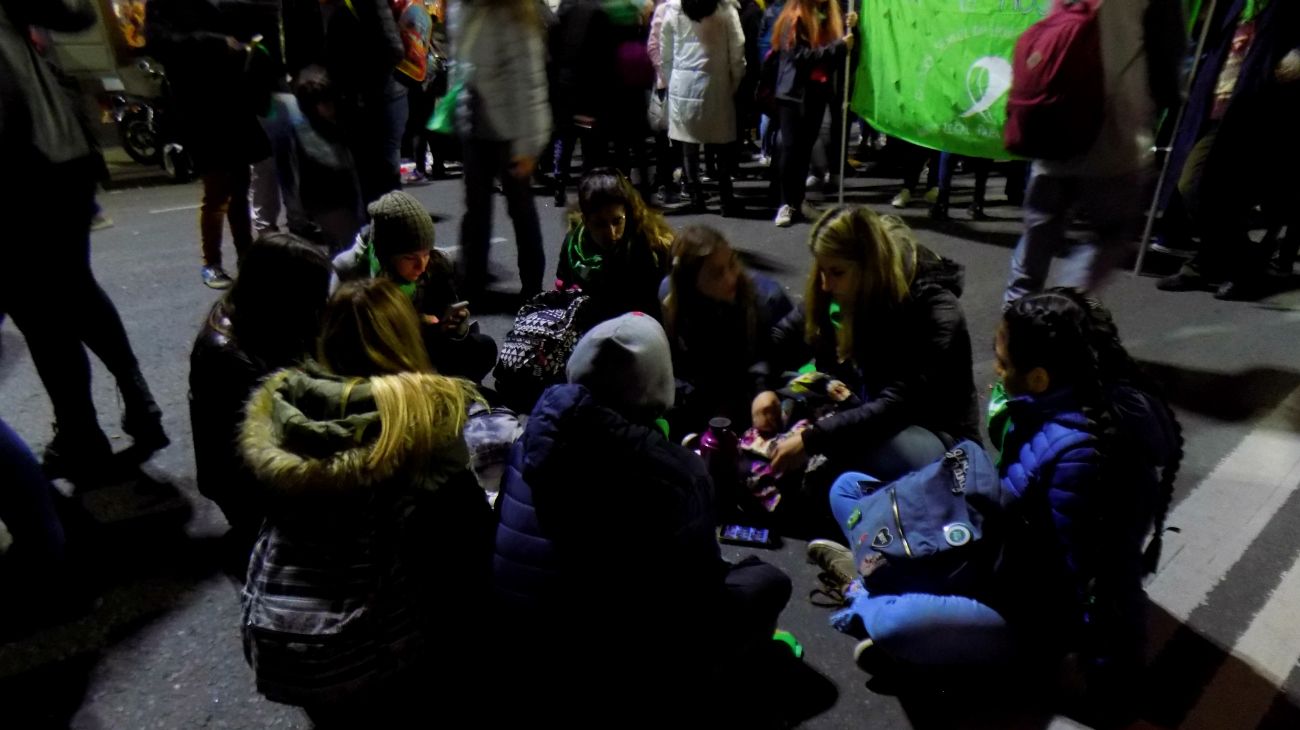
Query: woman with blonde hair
372, 519
881, 315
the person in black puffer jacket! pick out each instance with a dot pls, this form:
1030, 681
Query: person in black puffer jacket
881, 314
595, 490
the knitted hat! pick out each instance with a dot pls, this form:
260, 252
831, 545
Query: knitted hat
398, 225
627, 365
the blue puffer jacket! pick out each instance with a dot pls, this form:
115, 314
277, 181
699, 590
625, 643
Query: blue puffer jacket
589, 493
1050, 463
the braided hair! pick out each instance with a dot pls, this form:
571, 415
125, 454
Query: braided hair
1117, 368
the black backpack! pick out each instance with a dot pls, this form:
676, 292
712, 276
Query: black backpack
537, 348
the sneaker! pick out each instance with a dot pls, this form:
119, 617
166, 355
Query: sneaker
415, 177
1241, 290
903, 199
100, 222
862, 653
784, 217
764, 160
836, 562
932, 196
1187, 279
812, 181
810, 212
215, 278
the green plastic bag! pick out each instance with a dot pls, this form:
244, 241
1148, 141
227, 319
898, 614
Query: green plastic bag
443, 120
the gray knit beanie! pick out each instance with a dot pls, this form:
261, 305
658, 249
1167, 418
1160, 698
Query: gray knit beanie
398, 225
627, 365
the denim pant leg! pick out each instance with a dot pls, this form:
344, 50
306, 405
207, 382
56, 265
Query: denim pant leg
929, 630
845, 494
908, 450
264, 195
1047, 208
27, 504
1112, 205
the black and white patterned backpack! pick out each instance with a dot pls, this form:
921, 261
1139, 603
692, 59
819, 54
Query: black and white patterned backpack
537, 349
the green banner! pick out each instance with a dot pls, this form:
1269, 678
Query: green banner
936, 72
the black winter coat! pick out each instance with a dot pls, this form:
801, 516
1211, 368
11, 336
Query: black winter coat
222, 377
913, 366
793, 76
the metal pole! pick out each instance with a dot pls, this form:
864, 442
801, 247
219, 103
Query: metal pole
844, 109
1178, 122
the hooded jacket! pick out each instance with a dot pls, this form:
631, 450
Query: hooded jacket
912, 366
623, 279
355, 563
703, 61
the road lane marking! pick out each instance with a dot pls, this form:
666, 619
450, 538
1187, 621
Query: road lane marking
1226, 512
175, 209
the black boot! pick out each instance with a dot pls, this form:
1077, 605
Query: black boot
141, 417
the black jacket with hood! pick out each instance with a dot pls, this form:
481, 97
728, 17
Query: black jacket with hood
912, 366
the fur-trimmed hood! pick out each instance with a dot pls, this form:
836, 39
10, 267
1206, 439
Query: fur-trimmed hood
309, 432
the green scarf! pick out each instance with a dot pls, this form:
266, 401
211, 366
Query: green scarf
999, 419
377, 270
836, 316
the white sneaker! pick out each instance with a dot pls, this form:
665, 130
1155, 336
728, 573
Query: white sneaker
812, 181
903, 199
932, 196
764, 161
784, 217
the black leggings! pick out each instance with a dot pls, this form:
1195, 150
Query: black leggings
800, 126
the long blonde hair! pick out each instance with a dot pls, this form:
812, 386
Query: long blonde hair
886, 253
371, 328
418, 413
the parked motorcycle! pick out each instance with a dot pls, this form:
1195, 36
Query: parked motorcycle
146, 127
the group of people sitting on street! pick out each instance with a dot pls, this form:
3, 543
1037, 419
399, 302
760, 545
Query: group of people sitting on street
330, 428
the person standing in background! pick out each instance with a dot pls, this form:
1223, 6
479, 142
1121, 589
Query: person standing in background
702, 49
207, 53
503, 119
362, 49
1105, 184
46, 283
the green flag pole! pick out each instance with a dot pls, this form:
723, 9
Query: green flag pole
844, 111
1178, 122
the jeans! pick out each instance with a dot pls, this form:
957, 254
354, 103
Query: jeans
27, 507
225, 198
1110, 205
378, 145
485, 162
919, 628
274, 179
903, 453
948, 166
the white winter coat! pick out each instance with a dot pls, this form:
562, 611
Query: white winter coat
704, 63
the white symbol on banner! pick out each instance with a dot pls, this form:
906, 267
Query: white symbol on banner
992, 74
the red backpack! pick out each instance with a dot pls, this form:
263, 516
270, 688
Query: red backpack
1058, 94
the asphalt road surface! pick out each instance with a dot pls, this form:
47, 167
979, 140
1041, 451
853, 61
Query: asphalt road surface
163, 649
